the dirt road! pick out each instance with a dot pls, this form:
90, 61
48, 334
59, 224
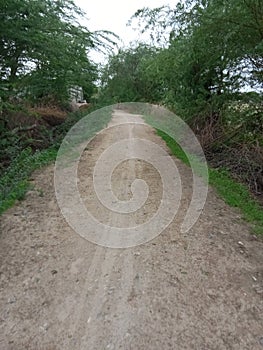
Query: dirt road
200, 290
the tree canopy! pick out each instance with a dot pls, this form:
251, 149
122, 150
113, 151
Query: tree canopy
44, 49
205, 55
128, 75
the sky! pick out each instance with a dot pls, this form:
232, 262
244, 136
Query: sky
113, 15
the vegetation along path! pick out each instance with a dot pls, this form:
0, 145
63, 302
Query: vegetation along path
198, 290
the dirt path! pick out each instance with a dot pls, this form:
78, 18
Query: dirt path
201, 290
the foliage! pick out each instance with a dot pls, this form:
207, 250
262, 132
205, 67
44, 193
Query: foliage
14, 180
214, 48
14, 184
43, 49
43, 53
234, 193
128, 76
245, 116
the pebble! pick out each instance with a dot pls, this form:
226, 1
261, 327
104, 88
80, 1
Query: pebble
44, 327
111, 290
258, 289
11, 300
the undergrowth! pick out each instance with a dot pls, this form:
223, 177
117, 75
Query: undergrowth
234, 194
14, 180
14, 183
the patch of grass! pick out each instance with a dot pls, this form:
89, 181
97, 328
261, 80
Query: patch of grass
14, 183
234, 194
174, 147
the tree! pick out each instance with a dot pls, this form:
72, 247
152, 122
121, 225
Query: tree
213, 49
43, 48
129, 76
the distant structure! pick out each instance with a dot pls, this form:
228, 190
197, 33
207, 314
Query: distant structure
77, 98
76, 94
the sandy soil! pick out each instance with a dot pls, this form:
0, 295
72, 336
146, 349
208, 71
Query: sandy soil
200, 290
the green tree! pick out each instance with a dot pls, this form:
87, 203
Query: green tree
43, 48
214, 48
130, 76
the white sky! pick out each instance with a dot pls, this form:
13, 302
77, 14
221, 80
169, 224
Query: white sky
113, 15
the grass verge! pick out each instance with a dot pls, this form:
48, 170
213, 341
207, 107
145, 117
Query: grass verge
234, 194
14, 183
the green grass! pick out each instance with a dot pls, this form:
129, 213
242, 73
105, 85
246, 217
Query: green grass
14, 183
234, 194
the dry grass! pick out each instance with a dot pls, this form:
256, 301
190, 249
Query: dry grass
52, 116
